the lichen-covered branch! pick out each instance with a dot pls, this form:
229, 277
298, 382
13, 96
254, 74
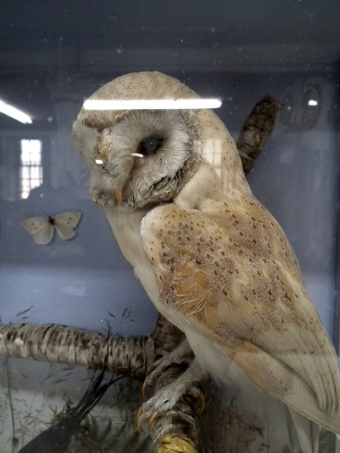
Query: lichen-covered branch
61, 344
256, 130
177, 429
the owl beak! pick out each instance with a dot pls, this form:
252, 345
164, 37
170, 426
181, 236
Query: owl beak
120, 183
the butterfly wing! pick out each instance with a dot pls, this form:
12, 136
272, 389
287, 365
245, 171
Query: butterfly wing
41, 228
65, 224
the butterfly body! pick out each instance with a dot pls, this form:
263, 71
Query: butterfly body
43, 228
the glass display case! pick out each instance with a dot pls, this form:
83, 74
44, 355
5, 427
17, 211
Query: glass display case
53, 56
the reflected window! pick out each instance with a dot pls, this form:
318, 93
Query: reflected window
31, 171
213, 153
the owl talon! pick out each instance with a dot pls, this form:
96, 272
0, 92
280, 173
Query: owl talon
166, 398
143, 389
139, 421
152, 419
201, 399
140, 418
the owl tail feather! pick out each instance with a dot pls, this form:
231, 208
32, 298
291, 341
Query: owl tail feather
306, 431
272, 376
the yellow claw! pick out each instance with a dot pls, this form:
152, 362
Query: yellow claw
202, 402
152, 419
138, 421
143, 390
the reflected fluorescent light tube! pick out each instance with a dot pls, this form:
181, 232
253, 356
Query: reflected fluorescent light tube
312, 102
14, 113
152, 104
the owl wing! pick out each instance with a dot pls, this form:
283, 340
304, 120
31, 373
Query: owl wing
65, 224
230, 271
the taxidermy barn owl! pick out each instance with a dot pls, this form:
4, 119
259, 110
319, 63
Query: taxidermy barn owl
211, 258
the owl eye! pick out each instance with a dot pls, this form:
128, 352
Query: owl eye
150, 145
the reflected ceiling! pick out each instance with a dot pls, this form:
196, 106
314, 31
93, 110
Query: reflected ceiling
65, 49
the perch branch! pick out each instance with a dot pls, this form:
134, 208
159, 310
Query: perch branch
256, 130
61, 344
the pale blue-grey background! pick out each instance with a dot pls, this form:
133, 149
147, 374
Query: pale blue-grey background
55, 54
52, 56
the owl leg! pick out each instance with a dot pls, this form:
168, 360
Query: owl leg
181, 354
166, 398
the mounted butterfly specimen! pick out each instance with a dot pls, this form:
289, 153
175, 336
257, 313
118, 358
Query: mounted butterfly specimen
43, 228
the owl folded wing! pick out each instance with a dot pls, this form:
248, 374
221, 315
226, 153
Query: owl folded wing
229, 269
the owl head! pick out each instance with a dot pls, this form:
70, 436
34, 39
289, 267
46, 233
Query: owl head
138, 158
